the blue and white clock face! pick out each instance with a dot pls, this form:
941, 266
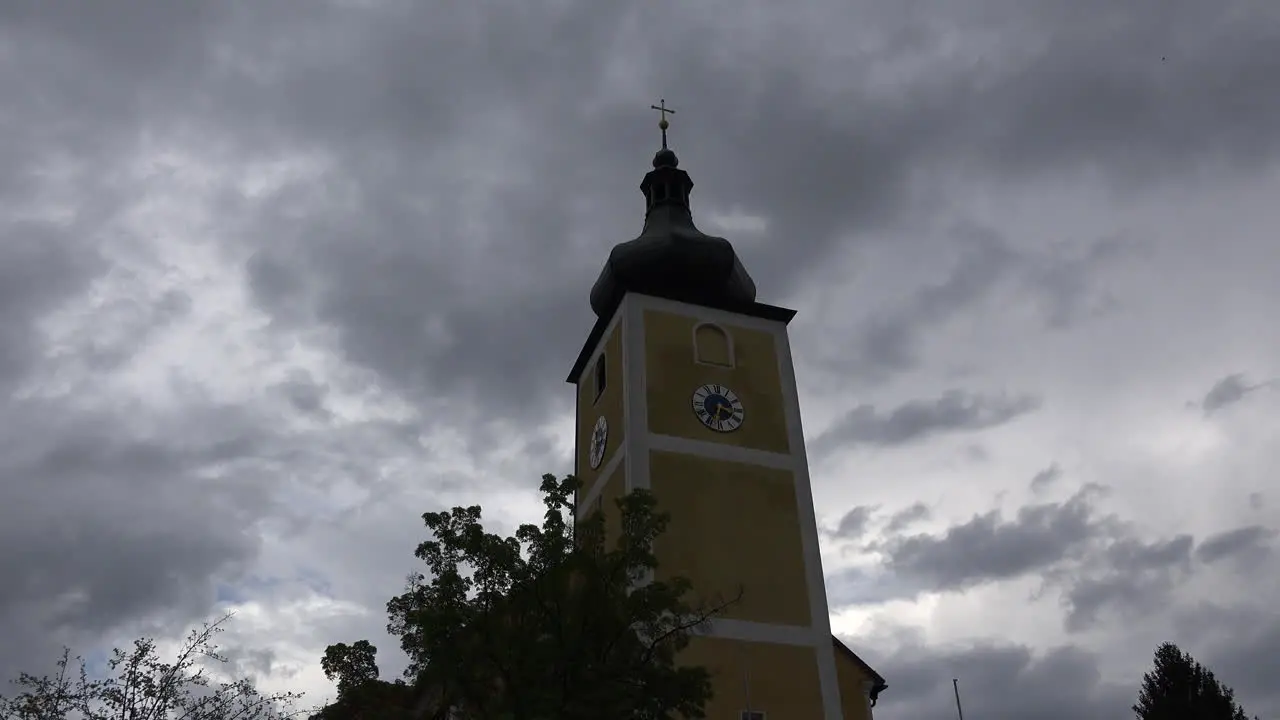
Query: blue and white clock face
718, 408
599, 440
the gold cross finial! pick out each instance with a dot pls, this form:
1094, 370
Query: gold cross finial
662, 109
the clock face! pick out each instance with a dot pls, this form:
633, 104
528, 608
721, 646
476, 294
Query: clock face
599, 439
718, 408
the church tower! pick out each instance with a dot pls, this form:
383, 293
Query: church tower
685, 387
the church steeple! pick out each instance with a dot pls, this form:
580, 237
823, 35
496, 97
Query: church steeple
686, 388
665, 187
672, 258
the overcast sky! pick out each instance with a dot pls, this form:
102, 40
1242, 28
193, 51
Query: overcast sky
278, 277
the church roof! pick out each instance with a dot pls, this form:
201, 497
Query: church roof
672, 258
879, 686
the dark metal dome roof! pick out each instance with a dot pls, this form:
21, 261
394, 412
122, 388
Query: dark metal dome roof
672, 258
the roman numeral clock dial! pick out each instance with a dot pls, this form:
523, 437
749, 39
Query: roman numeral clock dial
599, 440
718, 408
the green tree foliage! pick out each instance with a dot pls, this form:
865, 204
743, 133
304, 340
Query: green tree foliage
141, 687
350, 666
1179, 688
549, 623
361, 695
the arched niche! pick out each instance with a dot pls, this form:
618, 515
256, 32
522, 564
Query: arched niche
712, 345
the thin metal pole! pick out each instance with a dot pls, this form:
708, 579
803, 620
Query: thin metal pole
955, 683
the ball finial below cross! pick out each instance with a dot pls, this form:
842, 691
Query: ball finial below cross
662, 108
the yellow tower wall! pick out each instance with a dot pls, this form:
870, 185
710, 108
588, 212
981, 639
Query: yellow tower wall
615, 486
740, 504
610, 405
854, 682
752, 542
673, 375
782, 679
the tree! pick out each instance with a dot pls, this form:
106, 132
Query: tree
1179, 688
361, 694
140, 686
550, 623
350, 665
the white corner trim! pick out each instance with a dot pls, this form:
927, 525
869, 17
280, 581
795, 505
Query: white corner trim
721, 451
818, 609
636, 409
748, 631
